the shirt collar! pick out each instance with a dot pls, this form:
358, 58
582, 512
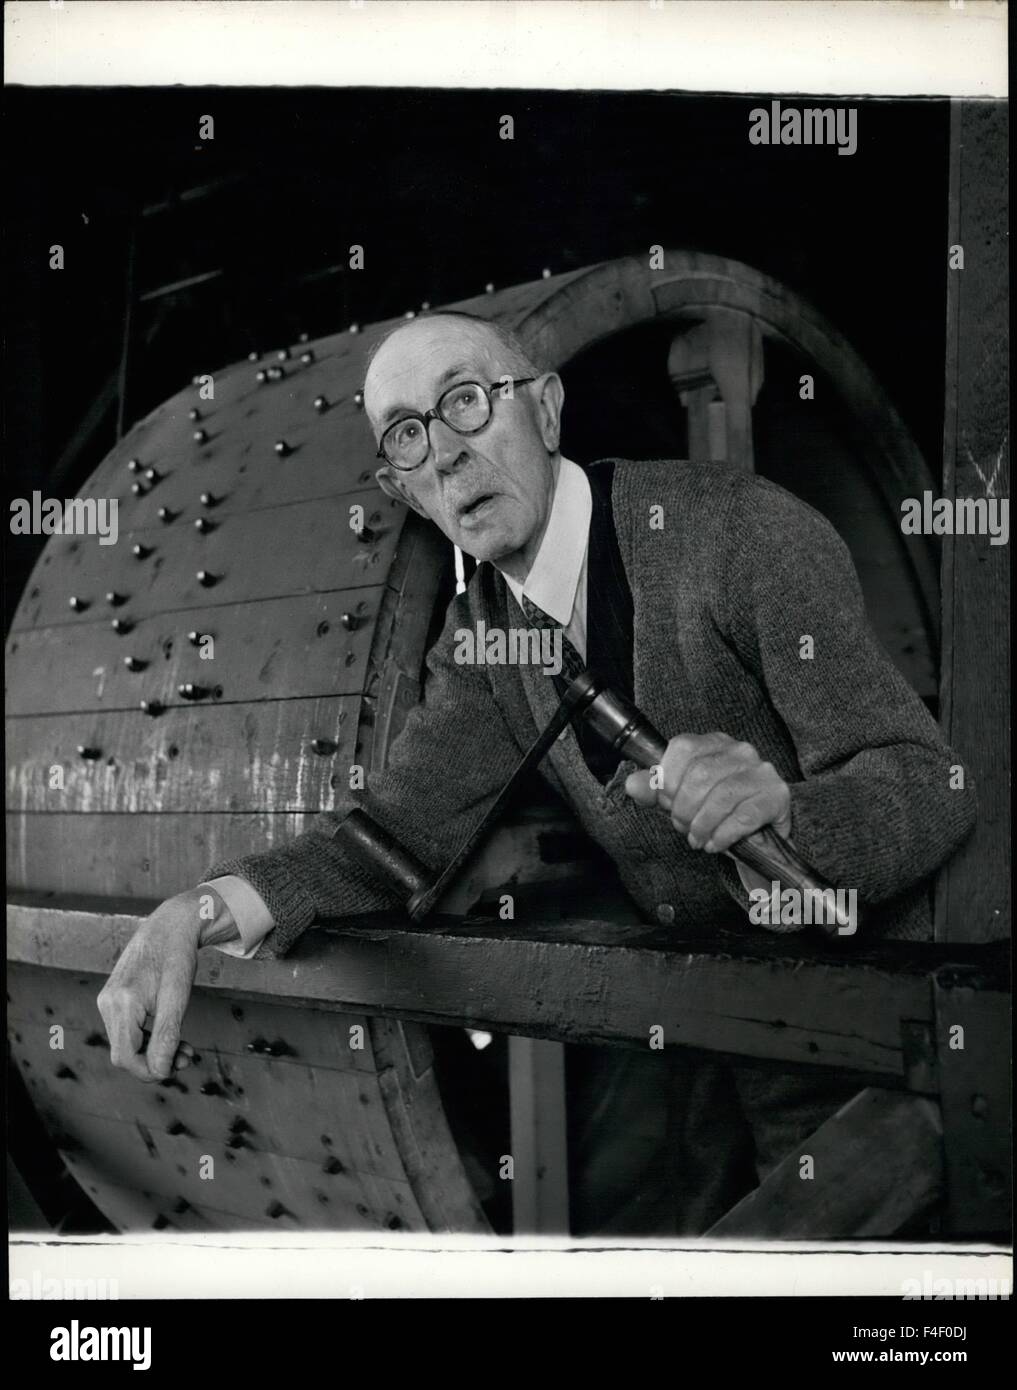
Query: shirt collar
554, 575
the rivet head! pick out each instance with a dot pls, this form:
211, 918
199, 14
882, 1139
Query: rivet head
307, 357
350, 622
303, 337
134, 663
152, 474
282, 448
209, 499
194, 638
152, 708
425, 306
114, 599
134, 465
275, 373
200, 437
138, 489
194, 413
354, 327
203, 525
190, 691
324, 747
665, 913
489, 288
121, 626
253, 356
166, 515
545, 274
410, 314
90, 754
282, 354
261, 376
206, 578
78, 604
320, 404
141, 552
358, 399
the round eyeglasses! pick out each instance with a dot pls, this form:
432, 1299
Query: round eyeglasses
465, 408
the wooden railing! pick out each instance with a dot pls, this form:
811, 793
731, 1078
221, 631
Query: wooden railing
929, 1123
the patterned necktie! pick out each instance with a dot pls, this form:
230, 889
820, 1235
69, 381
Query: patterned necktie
571, 662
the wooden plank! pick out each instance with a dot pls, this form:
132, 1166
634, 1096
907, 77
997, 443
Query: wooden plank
165, 1168
973, 901
413, 1105
877, 1164
540, 1189
185, 759
287, 1107
214, 1023
284, 648
571, 980
974, 1044
145, 856
322, 554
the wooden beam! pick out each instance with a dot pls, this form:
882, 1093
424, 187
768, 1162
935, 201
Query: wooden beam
973, 900
540, 1188
875, 1166
974, 1042
573, 980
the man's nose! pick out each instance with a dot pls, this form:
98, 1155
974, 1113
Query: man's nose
447, 446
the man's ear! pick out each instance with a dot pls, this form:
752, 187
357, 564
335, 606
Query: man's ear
550, 396
393, 486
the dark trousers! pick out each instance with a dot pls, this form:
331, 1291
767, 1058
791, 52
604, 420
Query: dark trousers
664, 1143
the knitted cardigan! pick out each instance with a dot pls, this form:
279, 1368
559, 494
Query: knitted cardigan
728, 572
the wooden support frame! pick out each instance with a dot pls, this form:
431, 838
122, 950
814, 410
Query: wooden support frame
871, 1012
973, 898
872, 1168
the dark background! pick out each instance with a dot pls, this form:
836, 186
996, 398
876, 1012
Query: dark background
442, 206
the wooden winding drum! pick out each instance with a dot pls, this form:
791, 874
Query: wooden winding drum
134, 763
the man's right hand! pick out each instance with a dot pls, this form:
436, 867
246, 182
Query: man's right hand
152, 982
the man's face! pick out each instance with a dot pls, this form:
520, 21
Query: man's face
490, 493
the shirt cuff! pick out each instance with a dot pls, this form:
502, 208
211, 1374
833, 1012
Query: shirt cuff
247, 907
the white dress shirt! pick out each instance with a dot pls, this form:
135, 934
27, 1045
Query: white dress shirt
556, 583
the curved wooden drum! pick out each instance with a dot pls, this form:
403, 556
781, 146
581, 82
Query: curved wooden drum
135, 762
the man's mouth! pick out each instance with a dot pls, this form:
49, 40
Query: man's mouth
473, 508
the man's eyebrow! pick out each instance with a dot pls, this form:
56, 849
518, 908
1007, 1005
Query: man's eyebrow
447, 376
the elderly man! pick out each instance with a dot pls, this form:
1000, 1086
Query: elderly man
687, 586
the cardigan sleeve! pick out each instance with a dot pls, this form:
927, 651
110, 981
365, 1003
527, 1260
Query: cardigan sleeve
879, 804
445, 768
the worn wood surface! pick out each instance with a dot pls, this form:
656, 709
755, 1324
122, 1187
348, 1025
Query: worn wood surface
301, 548
571, 980
280, 648
257, 757
312, 1120
974, 1033
148, 856
876, 1166
540, 1190
974, 894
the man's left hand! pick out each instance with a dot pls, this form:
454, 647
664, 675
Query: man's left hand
715, 789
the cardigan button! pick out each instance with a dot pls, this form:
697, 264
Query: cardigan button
665, 913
